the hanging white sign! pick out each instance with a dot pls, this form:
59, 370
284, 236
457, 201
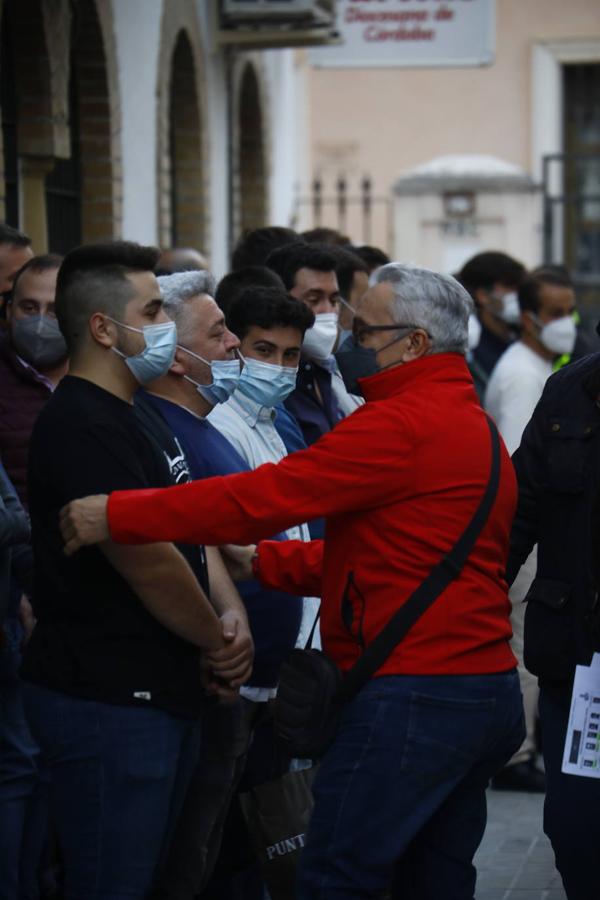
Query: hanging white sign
377, 33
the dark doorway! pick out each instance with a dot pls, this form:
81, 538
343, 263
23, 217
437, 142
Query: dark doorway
253, 205
8, 101
63, 186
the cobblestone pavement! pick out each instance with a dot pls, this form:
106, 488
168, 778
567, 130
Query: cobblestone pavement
515, 859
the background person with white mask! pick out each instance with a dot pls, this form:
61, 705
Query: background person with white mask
320, 400
492, 279
548, 331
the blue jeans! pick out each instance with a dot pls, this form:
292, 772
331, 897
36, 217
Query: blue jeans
400, 794
571, 807
23, 795
117, 775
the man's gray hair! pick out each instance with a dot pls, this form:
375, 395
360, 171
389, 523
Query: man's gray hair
437, 303
180, 287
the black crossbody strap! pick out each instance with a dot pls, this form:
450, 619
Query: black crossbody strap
429, 590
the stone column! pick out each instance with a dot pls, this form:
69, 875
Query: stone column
34, 220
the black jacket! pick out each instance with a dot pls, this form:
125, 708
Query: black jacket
558, 469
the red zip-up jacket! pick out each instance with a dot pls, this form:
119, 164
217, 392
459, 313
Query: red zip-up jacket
397, 482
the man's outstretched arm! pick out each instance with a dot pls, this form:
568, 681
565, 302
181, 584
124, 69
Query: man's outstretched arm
347, 470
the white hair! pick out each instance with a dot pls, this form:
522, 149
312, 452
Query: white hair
437, 303
178, 288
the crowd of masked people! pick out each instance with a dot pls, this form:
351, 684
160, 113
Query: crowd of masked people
322, 412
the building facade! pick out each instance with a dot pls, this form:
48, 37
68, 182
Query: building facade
128, 118
533, 115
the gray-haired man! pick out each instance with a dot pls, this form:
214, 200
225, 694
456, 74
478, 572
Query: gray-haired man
204, 372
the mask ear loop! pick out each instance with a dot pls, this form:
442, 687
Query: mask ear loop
348, 306
395, 341
121, 325
390, 344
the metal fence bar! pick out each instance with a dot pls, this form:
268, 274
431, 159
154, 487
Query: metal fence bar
366, 208
340, 200
342, 203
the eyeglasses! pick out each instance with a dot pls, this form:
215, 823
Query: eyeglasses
361, 330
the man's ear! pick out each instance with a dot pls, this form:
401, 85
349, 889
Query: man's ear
528, 325
419, 343
481, 298
101, 329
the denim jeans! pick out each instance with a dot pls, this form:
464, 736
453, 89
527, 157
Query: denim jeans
571, 806
23, 795
400, 794
117, 777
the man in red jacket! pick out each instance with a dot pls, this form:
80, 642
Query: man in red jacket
401, 792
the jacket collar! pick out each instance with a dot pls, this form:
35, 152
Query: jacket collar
23, 369
440, 367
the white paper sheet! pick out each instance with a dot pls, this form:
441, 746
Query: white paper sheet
582, 744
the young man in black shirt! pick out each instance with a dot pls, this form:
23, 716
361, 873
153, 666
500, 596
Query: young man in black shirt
113, 672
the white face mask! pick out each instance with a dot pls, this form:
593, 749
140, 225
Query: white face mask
319, 340
511, 311
558, 336
474, 332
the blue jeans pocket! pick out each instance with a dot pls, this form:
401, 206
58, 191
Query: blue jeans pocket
444, 735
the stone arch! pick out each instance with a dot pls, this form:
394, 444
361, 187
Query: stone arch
250, 143
183, 186
49, 37
185, 150
95, 71
39, 129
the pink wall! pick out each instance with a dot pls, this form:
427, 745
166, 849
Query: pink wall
384, 121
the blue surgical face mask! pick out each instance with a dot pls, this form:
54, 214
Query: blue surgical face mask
156, 358
266, 383
225, 377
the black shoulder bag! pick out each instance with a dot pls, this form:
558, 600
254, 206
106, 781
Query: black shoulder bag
312, 689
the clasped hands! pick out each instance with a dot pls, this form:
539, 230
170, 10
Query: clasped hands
226, 669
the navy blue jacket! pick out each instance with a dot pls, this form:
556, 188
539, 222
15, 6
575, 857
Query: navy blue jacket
558, 470
313, 417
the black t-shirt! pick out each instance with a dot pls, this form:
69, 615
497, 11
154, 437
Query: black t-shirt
159, 432
94, 638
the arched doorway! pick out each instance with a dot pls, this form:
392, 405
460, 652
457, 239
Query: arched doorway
59, 97
29, 126
252, 169
63, 183
91, 164
185, 169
